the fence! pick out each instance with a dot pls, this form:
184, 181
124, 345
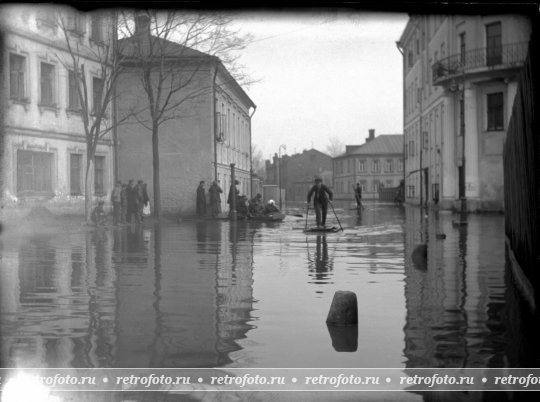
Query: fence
522, 173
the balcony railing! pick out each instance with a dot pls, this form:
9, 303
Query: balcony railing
506, 56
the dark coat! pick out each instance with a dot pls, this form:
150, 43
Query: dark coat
232, 191
133, 199
201, 196
320, 195
215, 192
358, 193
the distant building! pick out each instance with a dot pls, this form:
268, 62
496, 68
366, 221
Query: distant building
376, 163
459, 87
208, 133
44, 144
295, 169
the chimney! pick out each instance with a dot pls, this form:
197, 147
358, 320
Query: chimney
142, 23
371, 135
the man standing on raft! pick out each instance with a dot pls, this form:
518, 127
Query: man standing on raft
320, 200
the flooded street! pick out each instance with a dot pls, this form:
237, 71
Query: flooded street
221, 294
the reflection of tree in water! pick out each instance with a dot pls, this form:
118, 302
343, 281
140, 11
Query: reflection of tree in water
320, 264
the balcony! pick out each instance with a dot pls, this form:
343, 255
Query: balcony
479, 61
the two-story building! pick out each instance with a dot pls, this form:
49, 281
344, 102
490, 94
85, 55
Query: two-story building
378, 163
459, 76
208, 130
44, 143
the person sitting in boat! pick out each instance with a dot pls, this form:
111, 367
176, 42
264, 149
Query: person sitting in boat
271, 208
242, 211
98, 214
256, 205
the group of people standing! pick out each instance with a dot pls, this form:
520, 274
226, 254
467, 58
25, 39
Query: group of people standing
215, 199
129, 201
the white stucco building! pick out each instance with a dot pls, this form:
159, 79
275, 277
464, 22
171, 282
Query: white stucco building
459, 75
44, 148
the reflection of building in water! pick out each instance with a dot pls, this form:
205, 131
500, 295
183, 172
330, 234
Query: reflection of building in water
186, 307
127, 298
57, 305
454, 305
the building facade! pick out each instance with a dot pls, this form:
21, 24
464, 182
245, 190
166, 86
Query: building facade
294, 171
378, 163
204, 135
459, 75
44, 143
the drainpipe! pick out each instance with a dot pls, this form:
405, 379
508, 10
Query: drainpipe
251, 156
213, 103
400, 48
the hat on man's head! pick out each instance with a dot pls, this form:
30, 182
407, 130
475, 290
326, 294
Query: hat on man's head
318, 179
236, 182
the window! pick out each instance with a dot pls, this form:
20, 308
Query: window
410, 191
493, 44
376, 167
410, 57
96, 25
73, 95
75, 23
97, 90
362, 166
47, 16
17, 71
462, 48
75, 171
99, 179
388, 165
363, 184
34, 173
400, 165
495, 115
47, 84
376, 185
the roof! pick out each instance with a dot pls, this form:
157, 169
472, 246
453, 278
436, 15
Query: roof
382, 145
146, 46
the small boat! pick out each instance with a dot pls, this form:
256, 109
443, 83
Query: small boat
275, 217
325, 229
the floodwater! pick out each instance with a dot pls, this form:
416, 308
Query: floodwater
222, 294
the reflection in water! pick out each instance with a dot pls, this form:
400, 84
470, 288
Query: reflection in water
320, 264
456, 308
129, 297
190, 295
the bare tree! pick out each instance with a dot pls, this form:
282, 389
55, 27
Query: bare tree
257, 160
169, 51
93, 93
335, 146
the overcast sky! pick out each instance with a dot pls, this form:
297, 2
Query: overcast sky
323, 75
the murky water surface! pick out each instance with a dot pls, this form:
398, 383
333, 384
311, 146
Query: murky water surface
214, 293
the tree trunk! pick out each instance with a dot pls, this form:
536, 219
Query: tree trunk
88, 187
155, 162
